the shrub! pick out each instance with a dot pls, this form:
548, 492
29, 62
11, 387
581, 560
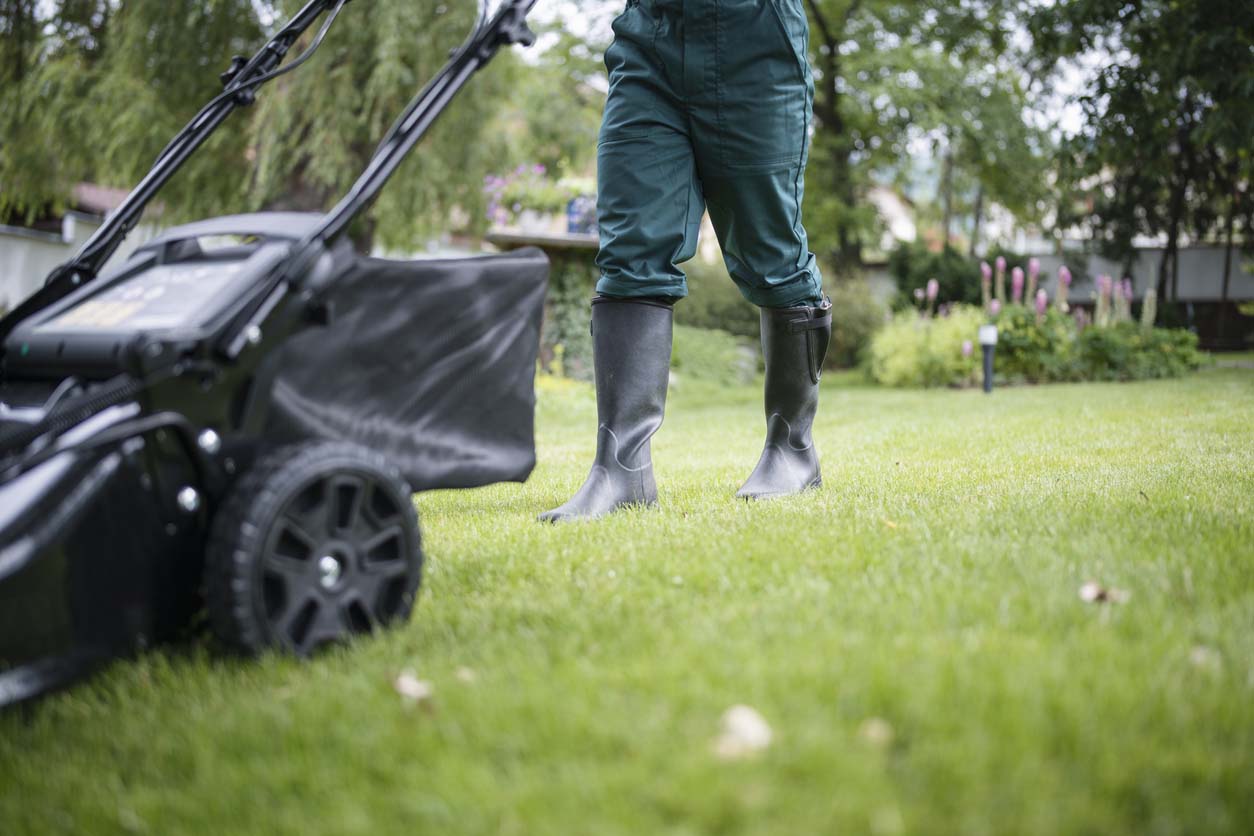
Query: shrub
566, 344
529, 187
714, 301
713, 356
1127, 351
922, 351
856, 316
913, 350
913, 265
1032, 352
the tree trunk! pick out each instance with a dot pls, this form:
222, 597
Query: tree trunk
1179, 188
1222, 328
20, 34
827, 105
1167, 284
947, 189
1175, 272
975, 228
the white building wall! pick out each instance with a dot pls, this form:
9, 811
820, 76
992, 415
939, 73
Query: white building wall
28, 256
1201, 274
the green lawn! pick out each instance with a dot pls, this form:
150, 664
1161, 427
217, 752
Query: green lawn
913, 634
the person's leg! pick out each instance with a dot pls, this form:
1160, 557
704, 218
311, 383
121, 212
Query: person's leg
649, 201
751, 124
649, 209
751, 134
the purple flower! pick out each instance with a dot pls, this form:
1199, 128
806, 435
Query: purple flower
986, 271
1104, 285
1126, 287
994, 307
538, 169
933, 290
1042, 302
1064, 276
1001, 264
967, 348
1016, 285
1034, 267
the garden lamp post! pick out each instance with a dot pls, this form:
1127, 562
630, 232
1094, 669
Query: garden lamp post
988, 343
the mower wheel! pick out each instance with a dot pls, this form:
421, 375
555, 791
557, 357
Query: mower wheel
316, 543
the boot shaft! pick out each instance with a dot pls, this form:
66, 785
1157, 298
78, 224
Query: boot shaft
794, 345
632, 356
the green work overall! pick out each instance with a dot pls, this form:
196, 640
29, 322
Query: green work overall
709, 106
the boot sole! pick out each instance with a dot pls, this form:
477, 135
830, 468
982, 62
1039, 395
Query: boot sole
550, 517
764, 497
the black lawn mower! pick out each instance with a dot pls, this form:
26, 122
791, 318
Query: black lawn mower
237, 416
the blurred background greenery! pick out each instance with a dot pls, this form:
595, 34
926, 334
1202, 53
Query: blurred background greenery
1105, 136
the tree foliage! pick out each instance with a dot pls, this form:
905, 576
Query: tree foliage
312, 139
888, 73
1164, 150
94, 89
104, 84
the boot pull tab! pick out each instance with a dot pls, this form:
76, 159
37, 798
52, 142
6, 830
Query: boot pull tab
816, 323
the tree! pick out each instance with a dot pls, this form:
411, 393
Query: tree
555, 115
94, 89
1163, 150
887, 72
312, 138
105, 85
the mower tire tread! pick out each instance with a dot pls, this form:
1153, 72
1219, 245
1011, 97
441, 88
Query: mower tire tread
238, 530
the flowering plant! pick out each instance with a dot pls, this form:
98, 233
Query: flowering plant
528, 187
1064, 287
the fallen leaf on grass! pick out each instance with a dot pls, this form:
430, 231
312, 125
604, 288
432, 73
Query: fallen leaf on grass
466, 675
1205, 658
889, 522
877, 731
414, 690
745, 733
887, 821
1094, 593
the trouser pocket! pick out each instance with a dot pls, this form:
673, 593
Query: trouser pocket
790, 19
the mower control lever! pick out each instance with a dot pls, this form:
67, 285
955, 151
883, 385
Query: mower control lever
514, 28
238, 62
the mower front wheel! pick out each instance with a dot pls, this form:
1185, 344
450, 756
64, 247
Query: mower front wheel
318, 542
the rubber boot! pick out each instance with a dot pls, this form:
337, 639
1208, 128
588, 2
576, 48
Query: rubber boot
631, 342
794, 342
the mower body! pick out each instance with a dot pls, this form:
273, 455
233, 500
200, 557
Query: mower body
146, 412
91, 565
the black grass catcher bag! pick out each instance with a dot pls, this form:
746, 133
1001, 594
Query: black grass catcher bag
431, 363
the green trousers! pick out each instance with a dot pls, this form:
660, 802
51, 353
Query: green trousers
709, 105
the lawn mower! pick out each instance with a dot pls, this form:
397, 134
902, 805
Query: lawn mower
236, 416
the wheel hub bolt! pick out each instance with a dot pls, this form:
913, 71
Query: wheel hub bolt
189, 499
329, 571
210, 442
